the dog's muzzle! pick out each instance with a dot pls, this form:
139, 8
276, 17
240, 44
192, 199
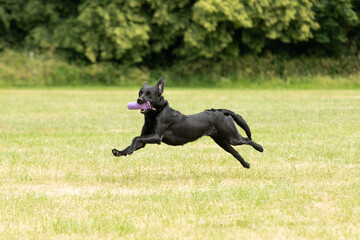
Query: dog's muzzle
140, 100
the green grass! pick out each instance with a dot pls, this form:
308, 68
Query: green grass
59, 180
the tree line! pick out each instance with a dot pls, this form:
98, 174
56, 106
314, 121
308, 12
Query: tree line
162, 32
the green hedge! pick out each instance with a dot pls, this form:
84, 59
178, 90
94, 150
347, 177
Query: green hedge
23, 69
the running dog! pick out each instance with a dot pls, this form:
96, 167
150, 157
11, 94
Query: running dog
164, 124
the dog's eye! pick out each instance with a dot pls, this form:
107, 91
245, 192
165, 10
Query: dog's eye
140, 93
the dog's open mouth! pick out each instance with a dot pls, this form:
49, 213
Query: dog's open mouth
148, 109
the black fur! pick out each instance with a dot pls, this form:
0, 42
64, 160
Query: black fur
164, 124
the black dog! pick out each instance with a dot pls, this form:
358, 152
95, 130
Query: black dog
164, 124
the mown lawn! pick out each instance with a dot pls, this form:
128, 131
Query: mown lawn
59, 180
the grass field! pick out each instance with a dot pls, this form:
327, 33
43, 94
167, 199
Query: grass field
59, 180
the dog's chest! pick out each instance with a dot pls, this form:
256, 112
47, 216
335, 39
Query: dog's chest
151, 124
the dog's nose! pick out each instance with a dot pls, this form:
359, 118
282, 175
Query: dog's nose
140, 100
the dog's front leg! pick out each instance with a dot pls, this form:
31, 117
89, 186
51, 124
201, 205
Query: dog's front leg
142, 141
145, 130
125, 152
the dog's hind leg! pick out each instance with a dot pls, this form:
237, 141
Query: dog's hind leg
237, 118
226, 131
241, 141
256, 146
227, 147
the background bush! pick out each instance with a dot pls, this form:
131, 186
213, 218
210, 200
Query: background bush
18, 69
201, 42
159, 32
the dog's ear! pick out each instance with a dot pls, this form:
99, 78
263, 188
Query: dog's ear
160, 85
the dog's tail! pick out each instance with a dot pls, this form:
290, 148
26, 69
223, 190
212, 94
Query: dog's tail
237, 118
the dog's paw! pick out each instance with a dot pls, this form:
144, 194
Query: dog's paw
117, 153
257, 146
246, 165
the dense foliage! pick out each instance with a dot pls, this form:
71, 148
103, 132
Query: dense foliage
158, 32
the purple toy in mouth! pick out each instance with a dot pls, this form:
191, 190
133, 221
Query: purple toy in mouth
142, 107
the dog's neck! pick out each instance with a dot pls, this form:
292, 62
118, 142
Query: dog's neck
159, 107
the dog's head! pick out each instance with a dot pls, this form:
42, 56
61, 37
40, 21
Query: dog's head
152, 94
